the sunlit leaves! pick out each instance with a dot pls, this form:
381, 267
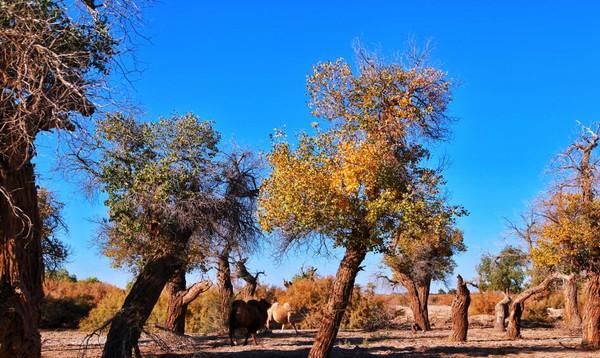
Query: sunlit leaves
569, 237
360, 176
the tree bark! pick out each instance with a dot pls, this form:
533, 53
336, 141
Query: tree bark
249, 289
176, 309
418, 294
460, 312
338, 301
225, 286
517, 306
179, 299
127, 325
572, 316
591, 313
21, 268
501, 310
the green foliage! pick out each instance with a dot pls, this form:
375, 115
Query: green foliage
62, 275
423, 250
156, 176
504, 272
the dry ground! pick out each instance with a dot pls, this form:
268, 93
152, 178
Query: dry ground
483, 342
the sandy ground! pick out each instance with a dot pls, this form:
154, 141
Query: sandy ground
483, 342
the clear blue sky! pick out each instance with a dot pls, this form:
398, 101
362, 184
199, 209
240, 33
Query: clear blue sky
525, 74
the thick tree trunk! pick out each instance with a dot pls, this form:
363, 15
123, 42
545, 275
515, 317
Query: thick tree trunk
501, 310
225, 286
516, 308
338, 301
21, 268
176, 309
249, 290
460, 312
418, 294
591, 313
572, 316
179, 299
127, 325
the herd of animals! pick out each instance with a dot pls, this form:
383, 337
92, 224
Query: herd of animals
255, 315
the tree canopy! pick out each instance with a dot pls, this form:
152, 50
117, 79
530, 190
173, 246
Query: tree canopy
360, 173
503, 272
160, 181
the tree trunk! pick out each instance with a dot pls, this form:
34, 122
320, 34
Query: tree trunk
572, 317
591, 313
418, 294
502, 313
249, 290
517, 306
127, 325
460, 312
225, 286
21, 268
176, 309
338, 301
179, 300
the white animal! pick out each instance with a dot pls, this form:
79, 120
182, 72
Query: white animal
284, 314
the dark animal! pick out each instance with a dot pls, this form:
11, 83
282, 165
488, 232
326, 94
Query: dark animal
251, 315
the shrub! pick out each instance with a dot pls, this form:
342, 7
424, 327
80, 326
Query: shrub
311, 294
367, 311
68, 301
536, 306
104, 311
484, 302
64, 312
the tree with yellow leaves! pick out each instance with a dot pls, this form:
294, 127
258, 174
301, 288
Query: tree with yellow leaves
355, 181
569, 236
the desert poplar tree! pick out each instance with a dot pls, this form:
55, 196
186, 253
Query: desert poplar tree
352, 181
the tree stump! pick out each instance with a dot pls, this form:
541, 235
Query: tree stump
460, 312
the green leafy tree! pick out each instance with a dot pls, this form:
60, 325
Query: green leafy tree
160, 182
504, 272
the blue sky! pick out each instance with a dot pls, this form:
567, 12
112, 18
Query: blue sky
524, 74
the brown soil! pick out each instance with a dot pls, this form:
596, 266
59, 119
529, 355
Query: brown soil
482, 342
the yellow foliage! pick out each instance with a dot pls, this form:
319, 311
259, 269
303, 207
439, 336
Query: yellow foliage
360, 173
569, 236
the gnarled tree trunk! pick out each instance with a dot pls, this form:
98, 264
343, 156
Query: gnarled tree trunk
176, 309
572, 316
21, 267
338, 301
127, 325
178, 300
460, 312
591, 313
418, 294
251, 280
225, 286
501, 311
516, 308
